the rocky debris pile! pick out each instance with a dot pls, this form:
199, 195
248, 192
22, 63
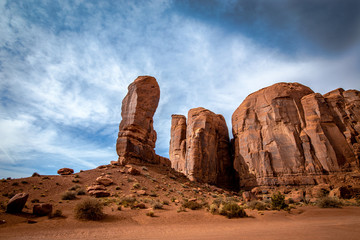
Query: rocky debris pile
65, 171
137, 137
17, 203
201, 148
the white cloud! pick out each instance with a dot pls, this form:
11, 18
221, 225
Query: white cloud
76, 80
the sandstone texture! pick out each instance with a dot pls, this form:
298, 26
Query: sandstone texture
201, 148
286, 134
137, 137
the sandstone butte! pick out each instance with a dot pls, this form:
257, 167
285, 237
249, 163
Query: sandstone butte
137, 137
286, 134
201, 148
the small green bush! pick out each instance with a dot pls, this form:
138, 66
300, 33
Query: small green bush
127, 201
74, 188
69, 195
89, 209
193, 205
150, 214
232, 210
81, 192
278, 201
260, 206
329, 202
157, 205
213, 208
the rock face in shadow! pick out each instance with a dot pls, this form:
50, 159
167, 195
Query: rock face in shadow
287, 134
201, 148
137, 137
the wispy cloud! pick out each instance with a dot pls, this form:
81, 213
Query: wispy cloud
65, 68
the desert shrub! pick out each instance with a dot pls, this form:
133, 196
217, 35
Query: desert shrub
329, 202
278, 201
119, 208
166, 202
181, 209
232, 210
74, 188
157, 205
118, 188
144, 168
213, 208
81, 192
260, 206
69, 195
75, 180
24, 182
136, 185
3, 205
45, 178
89, 209
128, 201
193, 205
291, 201
150, 214
57, 213
35, 200
76, 176
15, 184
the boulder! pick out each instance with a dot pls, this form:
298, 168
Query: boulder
133, 171
141, 192
95, 187
137, 137
42, 209
103, 180
99, 193
17, 203
248, 196
201, 149
65, 171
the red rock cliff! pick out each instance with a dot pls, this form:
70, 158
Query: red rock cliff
137, 137
286, 134
201, 149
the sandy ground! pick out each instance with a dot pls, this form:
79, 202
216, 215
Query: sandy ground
301, 223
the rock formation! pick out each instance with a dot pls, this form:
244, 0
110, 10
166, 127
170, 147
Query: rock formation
201, 149
287, 134
137, 137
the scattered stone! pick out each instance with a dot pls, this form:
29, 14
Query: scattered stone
30, 221
35, 174
133, 171
192, 200
65, 171
17, 203
141, 192
42, 209
115, 163
248, 196
95, 188
104, 181
99, 193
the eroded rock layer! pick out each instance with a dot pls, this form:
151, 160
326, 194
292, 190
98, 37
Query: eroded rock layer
137, 137
201, 149
287, 134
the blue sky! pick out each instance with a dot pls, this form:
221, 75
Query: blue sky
65, 66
